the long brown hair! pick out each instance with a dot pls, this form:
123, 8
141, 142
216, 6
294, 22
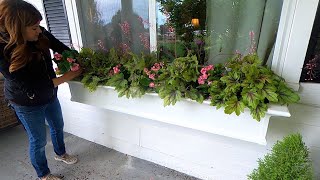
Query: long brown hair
15, 16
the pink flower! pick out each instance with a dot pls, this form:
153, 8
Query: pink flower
152, 76
116, 70
203, 70
210, 67
201, 80
70, 60
209, 82
125, 27
151, 84
156, 67
204, 76
145, 41
147, 71
57, 56
75, 67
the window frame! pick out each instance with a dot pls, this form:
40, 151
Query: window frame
295, 26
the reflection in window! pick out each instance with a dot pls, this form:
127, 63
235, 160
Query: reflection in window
213, 30
113, 23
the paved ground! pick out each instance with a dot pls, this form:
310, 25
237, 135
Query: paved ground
96, 162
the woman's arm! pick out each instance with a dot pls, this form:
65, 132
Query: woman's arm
66, 77
54, 43
59, 47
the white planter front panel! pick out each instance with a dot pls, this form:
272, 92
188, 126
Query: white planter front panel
185, 113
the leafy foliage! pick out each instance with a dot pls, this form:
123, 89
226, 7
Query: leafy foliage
66, 61
289, 159
242, 83
180, 14
248, 84
179, 79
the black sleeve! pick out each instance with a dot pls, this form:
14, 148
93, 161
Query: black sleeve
55, 44
4, 64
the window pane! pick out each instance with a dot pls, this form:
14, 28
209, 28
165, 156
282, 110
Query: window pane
112, 23
213, 30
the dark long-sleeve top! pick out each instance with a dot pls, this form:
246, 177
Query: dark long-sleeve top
32, 84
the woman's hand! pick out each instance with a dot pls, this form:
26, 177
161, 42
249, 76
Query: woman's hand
67, 77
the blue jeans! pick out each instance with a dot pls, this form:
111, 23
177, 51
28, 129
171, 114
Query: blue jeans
33, 119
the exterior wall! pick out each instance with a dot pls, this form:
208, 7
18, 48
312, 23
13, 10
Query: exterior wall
200, 154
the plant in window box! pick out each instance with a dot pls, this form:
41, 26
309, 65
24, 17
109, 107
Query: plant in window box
100, 67
178, 81
152, 74
66, 61
247, 83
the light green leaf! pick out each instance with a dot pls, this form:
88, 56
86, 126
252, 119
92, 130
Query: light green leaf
269, 92
259, 111
234, 105
251, 97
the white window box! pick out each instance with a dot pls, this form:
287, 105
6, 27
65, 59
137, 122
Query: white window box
186, 113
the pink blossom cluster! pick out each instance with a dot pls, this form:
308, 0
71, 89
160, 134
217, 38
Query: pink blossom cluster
74, 66
116, 69
145, 40
311, 68
253, 47
125, 27
204, 75
151, 73
57, 56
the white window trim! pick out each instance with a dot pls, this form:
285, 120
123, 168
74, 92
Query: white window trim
294, 32
153, 25
74, 24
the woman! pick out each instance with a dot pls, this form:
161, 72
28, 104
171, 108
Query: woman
30, 81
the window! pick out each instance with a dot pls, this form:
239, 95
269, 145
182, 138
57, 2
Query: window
211, 29
311, 67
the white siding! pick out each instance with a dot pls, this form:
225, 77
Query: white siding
193, 152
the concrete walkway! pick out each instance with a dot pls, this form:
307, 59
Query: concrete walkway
95, 162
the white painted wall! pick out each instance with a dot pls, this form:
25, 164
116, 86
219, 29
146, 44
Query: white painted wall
210, 156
